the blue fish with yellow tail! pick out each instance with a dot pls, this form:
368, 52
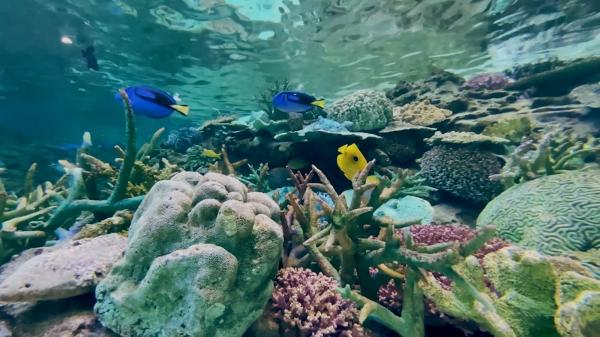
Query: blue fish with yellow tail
296, 102
152, 102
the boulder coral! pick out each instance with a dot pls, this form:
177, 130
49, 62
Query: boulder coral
554, 214
462, 172
366, 109
199, 261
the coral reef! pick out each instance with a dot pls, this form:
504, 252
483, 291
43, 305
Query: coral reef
366, 109
199, 260
421, 113
513, 129
307, 304
520, 285
326, 130
182, 139
492, 81
265, 97
552, 214
578, 298
463, 173
466, 139
405, 209
555, 152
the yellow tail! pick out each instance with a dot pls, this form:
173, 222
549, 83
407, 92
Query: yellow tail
320, 103
182, 109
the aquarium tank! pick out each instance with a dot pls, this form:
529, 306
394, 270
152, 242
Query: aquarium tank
299, 168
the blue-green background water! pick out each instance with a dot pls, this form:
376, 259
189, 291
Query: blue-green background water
217, 54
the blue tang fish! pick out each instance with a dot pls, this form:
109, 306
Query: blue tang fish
152, 102
296, 102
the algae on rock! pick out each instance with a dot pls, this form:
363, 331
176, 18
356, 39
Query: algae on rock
201, 254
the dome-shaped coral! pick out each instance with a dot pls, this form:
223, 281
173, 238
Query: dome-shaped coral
199, 261
366, 109
462, 172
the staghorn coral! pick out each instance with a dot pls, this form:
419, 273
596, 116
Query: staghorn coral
555, 214
366, 109
307, 304
257, 179
555, 152
225, 166
421, 113
199, 260
463, 173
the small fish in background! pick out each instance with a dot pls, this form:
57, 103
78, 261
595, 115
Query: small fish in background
296, 102
152, 102
351, 161
90, 58
211, 154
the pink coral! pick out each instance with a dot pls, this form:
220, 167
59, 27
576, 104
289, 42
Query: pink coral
307, 304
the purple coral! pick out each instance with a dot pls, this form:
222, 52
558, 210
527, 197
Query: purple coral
491, 81
307, 304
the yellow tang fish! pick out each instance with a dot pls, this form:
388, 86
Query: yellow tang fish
351, 161
211, 154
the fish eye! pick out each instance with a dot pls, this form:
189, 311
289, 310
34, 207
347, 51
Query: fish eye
355, 158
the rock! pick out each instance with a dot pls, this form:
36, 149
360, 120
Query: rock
588, 95
201, 254
491, 81
405, 209
421, 113
554, 214
5, 330
81, 324
68, 270
462, 172
453, 214
366, 109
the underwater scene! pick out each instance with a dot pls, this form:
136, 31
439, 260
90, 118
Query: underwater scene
301, 168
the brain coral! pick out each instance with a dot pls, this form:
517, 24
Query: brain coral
462, 172
553, 214
201, 254
366, 109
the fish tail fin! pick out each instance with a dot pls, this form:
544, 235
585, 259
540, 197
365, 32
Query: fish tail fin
182, 109
320, 103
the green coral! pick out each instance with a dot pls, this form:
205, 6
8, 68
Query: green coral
520, 285
513, 129
554, 214
556, 152
579, 312
462, 172
366, 109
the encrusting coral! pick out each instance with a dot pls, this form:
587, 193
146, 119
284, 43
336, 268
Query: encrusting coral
556, 152
421, 113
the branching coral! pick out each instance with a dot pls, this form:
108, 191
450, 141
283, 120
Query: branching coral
225, 166
257, 179
338, 239
307, 304
31, 219
556, 152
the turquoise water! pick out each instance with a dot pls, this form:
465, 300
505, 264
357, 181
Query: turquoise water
218, 54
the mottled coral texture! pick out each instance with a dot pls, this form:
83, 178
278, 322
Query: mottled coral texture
307, 304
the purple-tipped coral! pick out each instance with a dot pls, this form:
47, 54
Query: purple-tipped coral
492, 81
307, 304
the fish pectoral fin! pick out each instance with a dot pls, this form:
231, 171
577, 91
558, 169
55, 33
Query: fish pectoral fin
182, 109
320, 103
